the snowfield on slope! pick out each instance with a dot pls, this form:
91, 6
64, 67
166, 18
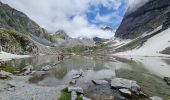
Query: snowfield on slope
4, 56
152, 47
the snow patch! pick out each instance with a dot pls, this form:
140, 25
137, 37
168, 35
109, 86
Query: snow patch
4, 56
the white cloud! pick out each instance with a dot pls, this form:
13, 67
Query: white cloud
55, 14
135, 4
104, 18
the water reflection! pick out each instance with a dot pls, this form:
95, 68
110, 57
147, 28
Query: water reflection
148, 72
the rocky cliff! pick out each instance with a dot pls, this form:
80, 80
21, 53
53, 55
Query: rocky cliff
20, 34
145, 19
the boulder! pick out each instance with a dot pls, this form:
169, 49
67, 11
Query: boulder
124, 83
126, 92
28, 69
99, 82
73, 82
76, 89
76, 76
120, 83
156, 98
167, 79
73, 95
5, 75
46, 68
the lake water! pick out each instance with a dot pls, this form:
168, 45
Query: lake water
148, 72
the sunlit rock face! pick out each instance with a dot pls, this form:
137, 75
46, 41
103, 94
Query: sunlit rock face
146, 18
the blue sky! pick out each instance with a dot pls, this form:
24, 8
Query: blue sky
76, 17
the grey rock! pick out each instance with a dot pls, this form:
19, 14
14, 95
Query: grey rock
167, 79
120, 83
76, 76
100, 82
156, 98
145, 19
124, 83
125, 92
73, 95
76, 89
28, 69
46, 68
73, 82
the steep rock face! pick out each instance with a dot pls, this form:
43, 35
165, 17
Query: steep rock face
61, 34
20, 35
145, 19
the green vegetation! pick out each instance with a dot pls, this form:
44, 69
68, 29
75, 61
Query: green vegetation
80, 49
13, 70
14, 42
67, 96
51, 38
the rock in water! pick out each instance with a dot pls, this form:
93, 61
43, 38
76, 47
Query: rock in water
28, 69
120, 83
99, 82
73, 95
123, 83
125, 92
76, 76
76, 89
46, 68
156, 98
167, 79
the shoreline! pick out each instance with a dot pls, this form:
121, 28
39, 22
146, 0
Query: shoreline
4, 56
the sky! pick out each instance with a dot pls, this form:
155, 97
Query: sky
77, 17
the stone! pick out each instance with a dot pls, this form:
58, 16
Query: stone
120, 83
167, 79
28, 69
73, 95
156, 98
100, 82
76, 89
46, 68
124, 83
125, 92
73, 82
76, 76
5, 75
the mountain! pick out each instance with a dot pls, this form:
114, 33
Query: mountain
62, 35
99, 40
20, 34
143, 32
68, 42
143, 20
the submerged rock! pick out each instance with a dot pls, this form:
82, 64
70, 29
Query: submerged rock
76, 89
84, 98
167, 79
156, 98
99, 82
73, 82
